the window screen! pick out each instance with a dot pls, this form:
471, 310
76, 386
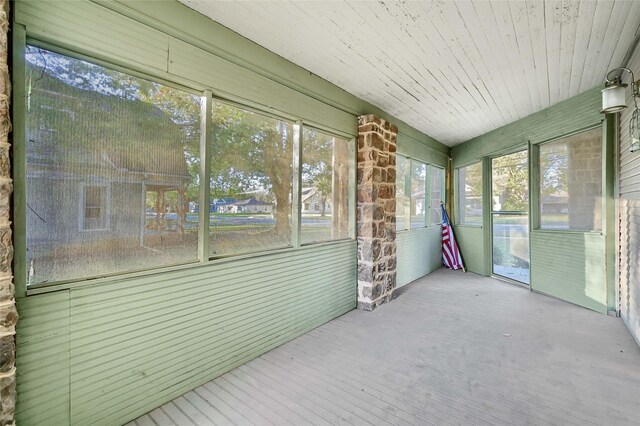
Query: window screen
98, 143
325, 187
251, 181
470, 194
402, 198
571, 182
418, 194
436, 194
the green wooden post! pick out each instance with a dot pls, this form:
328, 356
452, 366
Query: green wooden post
296, 207
534, 200
486, 215
353, 186
204, 218
610, 141
19, 162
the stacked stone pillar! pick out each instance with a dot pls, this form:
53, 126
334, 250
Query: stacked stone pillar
8, 313
376, 213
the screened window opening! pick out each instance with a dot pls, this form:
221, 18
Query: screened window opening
251, 181
436, 195
510, 182
402, 198
571, 182
325, 187
418, 194
85, 124
470, 194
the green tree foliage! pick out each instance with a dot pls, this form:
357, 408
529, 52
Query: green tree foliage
553, 168
317, 169
510, 177
252, 153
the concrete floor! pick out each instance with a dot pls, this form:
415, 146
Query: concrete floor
453, 348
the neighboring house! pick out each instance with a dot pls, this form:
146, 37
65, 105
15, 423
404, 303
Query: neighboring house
557, 202
89, 156
312, 201
246, 206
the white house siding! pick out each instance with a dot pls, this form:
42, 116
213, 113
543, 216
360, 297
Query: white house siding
629, 209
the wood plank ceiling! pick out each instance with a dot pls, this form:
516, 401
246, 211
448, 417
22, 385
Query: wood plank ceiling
452, 69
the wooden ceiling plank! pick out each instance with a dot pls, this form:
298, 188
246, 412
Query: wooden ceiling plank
616, 40
476, 110
520, 22
586, 15
447, 75
452, 70
553, 19
598, 33
535, 14
629, 32
429, 103
568, 26
489, 44
488, 88
491, 20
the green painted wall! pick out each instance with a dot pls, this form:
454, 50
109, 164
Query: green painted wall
419, 253
470, 240
571, 266
106, 351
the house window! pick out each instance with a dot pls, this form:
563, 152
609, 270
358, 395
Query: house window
418, 194
470, 194
436, 194
251, 158
325, 182
85, 124
95, 208
402, 198
571, 182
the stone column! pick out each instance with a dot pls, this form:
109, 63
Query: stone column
376, 213
8, 313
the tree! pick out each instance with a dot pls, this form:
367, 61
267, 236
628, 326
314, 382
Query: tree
251, 152
510, 181
317, 167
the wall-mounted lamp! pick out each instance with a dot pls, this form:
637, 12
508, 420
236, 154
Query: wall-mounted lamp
614, 100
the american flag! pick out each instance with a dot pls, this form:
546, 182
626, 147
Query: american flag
450, 254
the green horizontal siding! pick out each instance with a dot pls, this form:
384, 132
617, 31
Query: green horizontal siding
229, 81
107, 353
579, 112
419, 252
42, 359
411, 148
470, 241
88, 28
570, 266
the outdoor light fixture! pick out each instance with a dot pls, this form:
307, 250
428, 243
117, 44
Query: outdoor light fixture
614, 100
